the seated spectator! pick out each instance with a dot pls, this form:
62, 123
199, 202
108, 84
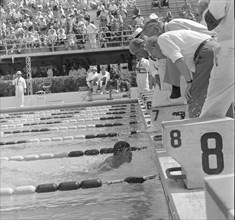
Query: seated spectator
113, 8
99, 8
114, 80
52, 36
139, 21
73, 72
136, 11
92, 78
65, 71
81, 71
103, 80
124, 84
50, 71
28, 24
61, 36
103, 17
87, 16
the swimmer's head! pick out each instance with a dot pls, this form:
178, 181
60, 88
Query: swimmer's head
122, 149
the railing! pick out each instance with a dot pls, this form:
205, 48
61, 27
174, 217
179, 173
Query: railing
103, 40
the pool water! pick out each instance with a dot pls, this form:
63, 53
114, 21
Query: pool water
115, 201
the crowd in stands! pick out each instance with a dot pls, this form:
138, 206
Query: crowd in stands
30, 24
37, 24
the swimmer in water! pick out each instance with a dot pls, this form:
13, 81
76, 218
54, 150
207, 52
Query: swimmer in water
121, 154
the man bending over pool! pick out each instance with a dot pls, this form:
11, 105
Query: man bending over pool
121, 154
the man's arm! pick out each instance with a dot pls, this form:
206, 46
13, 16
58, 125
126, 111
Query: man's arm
181, 65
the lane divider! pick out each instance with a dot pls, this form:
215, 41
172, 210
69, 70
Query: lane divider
69, 138
70, 185
71, 127
69, 116
78, 153
64, 111
68, 121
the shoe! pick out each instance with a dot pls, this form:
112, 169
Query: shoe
101, 93
117, 91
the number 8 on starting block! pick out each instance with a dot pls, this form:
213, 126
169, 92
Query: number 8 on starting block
202, 147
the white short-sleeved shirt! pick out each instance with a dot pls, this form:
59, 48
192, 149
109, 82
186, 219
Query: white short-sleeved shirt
19, 82
153, 67
143, 65
181, 43
186, 24
139, 21
107, 75
91, 76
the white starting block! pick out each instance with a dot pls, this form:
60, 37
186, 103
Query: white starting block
142, 94
219, 192
203, 147
168, 113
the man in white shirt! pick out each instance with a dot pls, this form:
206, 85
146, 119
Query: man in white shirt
20, 88
92, 31
142, 66
103, 79
156, 27
220, 94
193, 55
139, 21
92, 77
50, 71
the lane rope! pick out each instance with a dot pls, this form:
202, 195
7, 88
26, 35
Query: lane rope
78, 153
70, 127
70, 185
70, 138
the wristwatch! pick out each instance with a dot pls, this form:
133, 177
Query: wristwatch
189, 81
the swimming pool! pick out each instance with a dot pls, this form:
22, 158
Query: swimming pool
59, 131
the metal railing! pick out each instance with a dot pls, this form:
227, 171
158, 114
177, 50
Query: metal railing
80, 41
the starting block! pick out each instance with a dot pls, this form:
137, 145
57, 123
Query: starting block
219, 193
203, 147
168, 113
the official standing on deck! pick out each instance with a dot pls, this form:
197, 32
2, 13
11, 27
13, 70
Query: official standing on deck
20, 88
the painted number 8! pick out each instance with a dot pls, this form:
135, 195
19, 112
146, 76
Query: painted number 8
175, 138
217, 151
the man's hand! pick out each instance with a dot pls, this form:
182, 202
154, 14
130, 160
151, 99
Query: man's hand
187, 93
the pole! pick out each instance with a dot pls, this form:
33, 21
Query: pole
29, 75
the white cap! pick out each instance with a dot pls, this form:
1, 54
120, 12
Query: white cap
153, 16
18, 73
93, 68
136, 33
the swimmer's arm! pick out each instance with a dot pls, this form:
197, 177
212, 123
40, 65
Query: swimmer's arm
106, 165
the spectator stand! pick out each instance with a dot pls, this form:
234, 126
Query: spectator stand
50, 28
176, 7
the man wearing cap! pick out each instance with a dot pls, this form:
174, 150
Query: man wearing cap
20, 88
92, 77
155, 27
